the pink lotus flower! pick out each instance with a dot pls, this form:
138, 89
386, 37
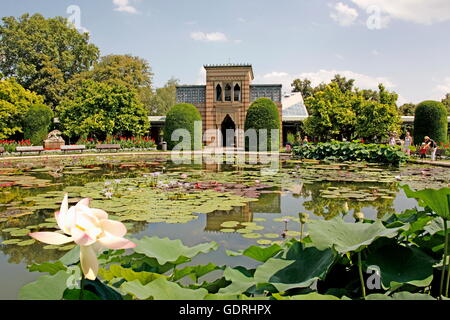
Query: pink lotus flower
89, 228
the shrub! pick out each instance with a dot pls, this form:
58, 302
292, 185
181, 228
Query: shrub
125, 143
183, 116
430, 120
37, 123
263, 114
347, 151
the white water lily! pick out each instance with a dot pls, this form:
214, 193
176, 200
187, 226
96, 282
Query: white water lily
89, 228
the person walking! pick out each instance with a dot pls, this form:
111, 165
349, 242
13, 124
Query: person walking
408, 143
432, 146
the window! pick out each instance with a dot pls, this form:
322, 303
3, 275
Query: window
228, 92
219, 93
237, 92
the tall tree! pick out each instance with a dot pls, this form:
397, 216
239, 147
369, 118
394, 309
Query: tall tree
129, 71
43, 54
164, 98
342, 82
332, 114
376, 118
304, 87
99, 109
407, 109
446, 102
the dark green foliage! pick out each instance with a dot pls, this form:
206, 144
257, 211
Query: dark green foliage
263, 114
97, 109
430, 120
346, 151
183, 116
44, 53
37, 123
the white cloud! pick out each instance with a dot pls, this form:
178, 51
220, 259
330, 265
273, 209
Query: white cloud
124, 6
209, 37
343, 14
443, 88
418, 11
362, 81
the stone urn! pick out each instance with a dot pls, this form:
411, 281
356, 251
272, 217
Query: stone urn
54, 141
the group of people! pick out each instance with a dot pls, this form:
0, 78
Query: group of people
428, 145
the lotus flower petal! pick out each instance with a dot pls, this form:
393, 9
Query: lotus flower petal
114, 228
81, 237
99, 213
84, 202
89, 262
51, 237
115, 243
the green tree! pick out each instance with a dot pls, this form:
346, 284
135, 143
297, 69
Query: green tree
332, 113
164, 98
376, 118
342, 82
37, 123
263, 115
183, 116
99, 109
431, 120
43, 54
129, 71
15, 102
446, 102
407, 109
304, 87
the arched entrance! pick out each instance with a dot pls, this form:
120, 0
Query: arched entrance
228, 129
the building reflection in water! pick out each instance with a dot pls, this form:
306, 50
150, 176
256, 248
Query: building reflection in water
267, 203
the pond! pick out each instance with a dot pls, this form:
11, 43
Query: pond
235, 205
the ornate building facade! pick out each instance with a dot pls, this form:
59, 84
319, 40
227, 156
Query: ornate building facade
224, 100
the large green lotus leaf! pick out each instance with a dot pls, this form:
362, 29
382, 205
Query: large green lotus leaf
50, 267
116, 271
346, 237
301, 267
309, 296
437, 200
166, 250
400, 296
401, 265
262, 254
240, 282
161, 289
71, 257
46, 287
195, 272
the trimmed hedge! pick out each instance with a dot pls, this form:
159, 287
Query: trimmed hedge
263, 114
183, 116
430, 120
36, 123
348, 151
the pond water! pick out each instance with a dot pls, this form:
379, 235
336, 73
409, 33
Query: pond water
233, 205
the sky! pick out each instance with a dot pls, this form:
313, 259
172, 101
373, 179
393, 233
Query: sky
403, 44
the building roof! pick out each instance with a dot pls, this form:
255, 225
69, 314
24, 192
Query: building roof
231, 65
294, 106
